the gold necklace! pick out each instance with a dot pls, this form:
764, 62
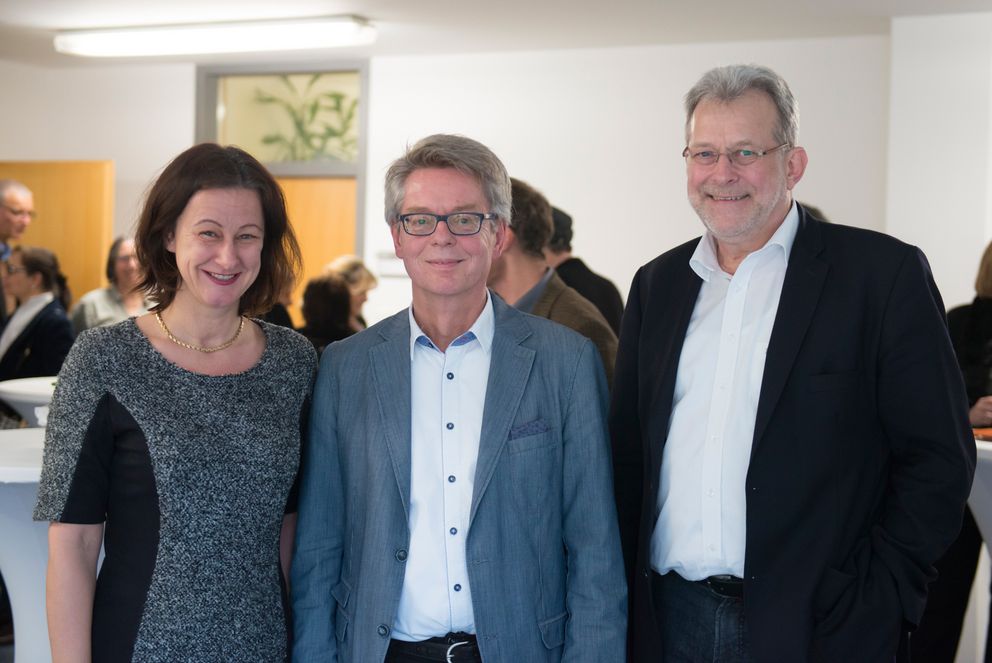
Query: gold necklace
189, 346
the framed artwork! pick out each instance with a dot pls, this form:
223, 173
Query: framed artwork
298, 121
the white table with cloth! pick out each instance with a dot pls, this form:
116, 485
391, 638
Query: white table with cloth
23, 542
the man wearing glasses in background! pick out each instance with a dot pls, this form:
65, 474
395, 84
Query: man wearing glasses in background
791, 439
456, 502
16, 214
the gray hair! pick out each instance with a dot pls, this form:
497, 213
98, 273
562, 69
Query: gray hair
459, 153
725, 84
13, 185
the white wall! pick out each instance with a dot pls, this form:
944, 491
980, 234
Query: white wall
600, 132
138, 116
940, 144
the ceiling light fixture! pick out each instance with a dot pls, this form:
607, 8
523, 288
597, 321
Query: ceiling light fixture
212, 38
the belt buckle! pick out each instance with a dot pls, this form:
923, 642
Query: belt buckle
448, 654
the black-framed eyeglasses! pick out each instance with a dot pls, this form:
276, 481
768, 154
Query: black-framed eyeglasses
19, 212
14, 269
459, 223
744, 156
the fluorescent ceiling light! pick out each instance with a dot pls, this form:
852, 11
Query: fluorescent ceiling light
206, 38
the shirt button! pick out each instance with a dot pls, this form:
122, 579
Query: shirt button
400, 555
451, 376
451, 478
449, 425
382, 630
453, 531
458, 588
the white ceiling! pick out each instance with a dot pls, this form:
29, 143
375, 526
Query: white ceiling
453, 26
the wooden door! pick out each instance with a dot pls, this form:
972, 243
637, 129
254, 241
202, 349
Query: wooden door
74, 201
322, 211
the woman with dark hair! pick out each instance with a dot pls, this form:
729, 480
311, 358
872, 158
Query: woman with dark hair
37, 337
180, 430
326, 310
121, 299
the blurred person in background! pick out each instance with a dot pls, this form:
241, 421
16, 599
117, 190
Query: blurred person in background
360, 280
173, 439
120, 300
16, 214
38, 335
597, 289
326, 310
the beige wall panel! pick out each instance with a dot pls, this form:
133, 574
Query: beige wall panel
322, 211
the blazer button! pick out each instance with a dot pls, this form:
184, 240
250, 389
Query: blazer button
382, 630
400, 555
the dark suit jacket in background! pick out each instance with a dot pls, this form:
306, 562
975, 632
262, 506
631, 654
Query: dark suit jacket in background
41, 347
562, 304
862, 457
597, 289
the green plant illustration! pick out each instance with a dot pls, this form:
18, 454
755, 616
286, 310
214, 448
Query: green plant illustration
322, 121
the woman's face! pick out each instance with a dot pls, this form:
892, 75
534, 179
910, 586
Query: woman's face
126, 270
17, 281
359, 295
218, 246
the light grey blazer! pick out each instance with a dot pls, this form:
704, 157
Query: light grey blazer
543, 551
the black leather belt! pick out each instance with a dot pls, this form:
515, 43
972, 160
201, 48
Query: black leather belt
730, 587
451, 648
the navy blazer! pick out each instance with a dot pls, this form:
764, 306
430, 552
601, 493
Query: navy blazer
543, 549
41, 347
862, 455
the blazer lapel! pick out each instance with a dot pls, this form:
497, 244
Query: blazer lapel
509, 371
390, 367
801, 289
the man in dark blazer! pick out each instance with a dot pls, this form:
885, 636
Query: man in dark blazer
791, 440
576, 274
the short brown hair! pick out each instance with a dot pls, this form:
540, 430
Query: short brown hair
532, 223
212, 166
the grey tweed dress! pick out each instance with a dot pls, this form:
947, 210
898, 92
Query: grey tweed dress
192, 475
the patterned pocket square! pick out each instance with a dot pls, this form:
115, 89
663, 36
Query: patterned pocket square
530, 428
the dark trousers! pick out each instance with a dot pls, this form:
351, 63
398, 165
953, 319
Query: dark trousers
698, 625
936, 639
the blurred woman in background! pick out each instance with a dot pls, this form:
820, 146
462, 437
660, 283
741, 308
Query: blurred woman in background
360, 280
122, 299
326, 310
37, 337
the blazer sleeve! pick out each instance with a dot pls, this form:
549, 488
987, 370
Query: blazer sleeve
922, 410
50, 344
318, 549
625, 428
596, 593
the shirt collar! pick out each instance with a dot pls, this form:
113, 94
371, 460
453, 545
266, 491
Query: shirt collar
704, 261
529, 299
482, 330
5, 251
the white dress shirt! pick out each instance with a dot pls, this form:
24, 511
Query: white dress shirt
701, 528
21, 318
448, 393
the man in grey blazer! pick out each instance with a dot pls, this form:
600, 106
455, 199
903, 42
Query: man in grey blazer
455, 495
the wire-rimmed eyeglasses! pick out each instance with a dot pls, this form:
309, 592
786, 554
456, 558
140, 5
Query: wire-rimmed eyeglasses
744, 156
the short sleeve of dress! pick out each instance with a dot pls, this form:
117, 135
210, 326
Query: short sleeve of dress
78, 439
